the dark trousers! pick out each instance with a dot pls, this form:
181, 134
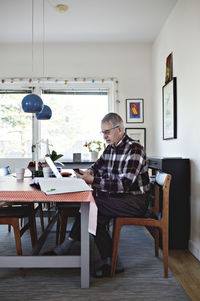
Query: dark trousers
111, 206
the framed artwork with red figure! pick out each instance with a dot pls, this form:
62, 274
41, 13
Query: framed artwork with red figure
135, 110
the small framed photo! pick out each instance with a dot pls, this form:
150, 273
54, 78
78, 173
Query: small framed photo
138, 134
169, 110
134, 110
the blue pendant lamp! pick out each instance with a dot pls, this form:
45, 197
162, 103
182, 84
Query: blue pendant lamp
32, 103
45, 114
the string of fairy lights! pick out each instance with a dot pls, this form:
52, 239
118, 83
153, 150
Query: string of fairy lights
64, 81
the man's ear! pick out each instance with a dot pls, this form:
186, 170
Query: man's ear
120, 130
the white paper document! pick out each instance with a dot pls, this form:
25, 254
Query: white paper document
62, 185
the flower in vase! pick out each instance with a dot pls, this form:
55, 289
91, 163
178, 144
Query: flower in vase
94, 146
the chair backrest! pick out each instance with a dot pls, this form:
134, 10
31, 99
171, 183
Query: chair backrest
160, 178
162, 181
4, 171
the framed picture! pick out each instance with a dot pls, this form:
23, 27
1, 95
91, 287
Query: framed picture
169, 69
138, 134
169, 110
134, 110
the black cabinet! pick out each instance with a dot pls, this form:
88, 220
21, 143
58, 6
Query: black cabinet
179, 198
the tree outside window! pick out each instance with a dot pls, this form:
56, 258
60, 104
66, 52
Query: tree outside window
16, 127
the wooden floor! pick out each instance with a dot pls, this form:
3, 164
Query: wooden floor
186, 268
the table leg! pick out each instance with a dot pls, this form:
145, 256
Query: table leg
85, 250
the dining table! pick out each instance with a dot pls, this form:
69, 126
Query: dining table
13, 190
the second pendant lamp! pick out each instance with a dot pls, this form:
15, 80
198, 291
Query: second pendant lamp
45, 114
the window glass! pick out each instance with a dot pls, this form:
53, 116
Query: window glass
76, 118
16, 127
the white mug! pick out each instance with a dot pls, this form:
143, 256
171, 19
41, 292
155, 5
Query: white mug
20, 173
46, 172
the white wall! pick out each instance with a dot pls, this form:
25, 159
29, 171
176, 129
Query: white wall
180, 35
130, 63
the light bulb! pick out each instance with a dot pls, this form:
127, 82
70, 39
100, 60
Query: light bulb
61, 8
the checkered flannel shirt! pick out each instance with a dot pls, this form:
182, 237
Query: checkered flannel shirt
122, 169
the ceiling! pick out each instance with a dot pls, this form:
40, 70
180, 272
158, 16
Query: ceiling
84, 21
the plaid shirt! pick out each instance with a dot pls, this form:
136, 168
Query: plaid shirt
122, 169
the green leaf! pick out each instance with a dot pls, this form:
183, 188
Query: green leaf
54, 156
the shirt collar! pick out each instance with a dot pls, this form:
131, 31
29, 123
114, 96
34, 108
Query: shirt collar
121, 143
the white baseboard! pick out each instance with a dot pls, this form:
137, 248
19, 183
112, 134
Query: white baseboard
194, 249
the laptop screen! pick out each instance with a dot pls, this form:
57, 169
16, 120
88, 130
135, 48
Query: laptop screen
53, 167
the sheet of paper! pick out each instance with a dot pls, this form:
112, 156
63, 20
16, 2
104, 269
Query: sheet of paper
62, 185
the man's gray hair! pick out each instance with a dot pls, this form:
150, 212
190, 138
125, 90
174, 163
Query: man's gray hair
114, 118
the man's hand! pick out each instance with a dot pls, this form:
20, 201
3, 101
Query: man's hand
88, 178
89, 172
87, 175
78, 171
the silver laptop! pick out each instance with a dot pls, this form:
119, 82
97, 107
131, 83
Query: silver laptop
53, 167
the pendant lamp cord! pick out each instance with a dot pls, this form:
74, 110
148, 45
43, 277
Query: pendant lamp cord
43, 50
32, 36
43, 40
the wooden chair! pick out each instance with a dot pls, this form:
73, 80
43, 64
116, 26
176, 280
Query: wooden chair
64, 211
11, 216
14, 213
162, 181
5, 171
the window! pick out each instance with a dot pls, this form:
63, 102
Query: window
16, 127
77, 110
76, 118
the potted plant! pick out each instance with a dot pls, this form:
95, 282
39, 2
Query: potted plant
94, 147
54, 156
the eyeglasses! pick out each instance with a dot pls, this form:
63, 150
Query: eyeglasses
107, 132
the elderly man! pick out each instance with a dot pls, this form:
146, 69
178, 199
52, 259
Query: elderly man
120, 183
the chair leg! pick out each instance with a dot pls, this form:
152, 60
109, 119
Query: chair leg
49, 208
116, 236
33, 233
33, 222
156, 240
41, 216
15, 224
63, 226
9, 226
165, 252
58, 226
